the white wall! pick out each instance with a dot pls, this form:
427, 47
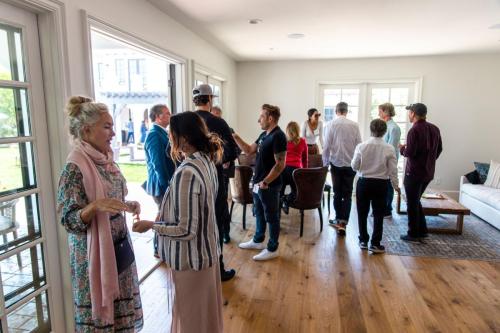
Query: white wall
462, 94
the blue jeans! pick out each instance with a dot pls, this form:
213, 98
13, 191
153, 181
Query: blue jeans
267, 210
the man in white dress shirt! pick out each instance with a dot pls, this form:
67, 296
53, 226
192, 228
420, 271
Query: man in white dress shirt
341, 138
376, 163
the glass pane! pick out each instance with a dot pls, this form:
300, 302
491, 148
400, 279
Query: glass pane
401, 114
350, 96
17, 170
328, 112
380, 96
19, 222
14, 123
374, 112
404, 130
31, 317
5, 72
11, 54
353, 113
399, 96
22, 274
332, 97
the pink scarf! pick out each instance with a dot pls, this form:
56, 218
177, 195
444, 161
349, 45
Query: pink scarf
103, 275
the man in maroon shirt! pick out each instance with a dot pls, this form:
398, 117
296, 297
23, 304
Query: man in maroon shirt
422, 149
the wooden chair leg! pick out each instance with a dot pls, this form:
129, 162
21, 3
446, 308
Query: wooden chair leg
244, 217
231, 211
320, 219
301, 222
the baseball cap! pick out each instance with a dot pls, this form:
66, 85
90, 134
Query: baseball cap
203, 90
419, 108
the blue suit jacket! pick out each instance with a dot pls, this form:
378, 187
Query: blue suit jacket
160, 165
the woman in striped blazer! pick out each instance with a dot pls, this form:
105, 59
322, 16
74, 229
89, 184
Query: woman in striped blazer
187, 228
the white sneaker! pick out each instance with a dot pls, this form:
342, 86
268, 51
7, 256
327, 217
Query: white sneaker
251, 245
265, 255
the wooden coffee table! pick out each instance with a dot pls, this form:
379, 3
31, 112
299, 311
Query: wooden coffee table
434, 207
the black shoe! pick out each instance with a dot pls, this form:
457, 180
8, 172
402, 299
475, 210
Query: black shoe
286, 209
410, 239
377, 249
227, 275
363, 245
225, 238
426, 235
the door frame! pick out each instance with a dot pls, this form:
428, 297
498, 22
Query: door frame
52, 39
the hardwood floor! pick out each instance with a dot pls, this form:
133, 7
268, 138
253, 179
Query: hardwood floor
322, 283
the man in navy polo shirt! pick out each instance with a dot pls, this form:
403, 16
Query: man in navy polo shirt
269, 164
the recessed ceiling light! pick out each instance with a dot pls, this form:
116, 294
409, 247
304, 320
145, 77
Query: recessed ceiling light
271, 49
495, 26
296, 36
254, 21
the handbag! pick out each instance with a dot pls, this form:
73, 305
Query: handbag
124, 254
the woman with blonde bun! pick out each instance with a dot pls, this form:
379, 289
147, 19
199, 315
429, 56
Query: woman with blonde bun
91, 203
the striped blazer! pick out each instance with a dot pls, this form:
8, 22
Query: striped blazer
187, 230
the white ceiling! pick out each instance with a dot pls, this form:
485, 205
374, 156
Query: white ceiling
341, 29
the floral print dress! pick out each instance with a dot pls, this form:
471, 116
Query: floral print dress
71, 200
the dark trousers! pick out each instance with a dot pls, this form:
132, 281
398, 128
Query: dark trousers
226, 227
371, 191
389, 199
267, 210
221, 211
343, 178
287, 180
414, 188
130, 136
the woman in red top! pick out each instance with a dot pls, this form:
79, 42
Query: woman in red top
296, 157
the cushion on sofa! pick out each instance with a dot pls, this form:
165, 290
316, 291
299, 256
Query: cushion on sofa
473, 177
493, 179
482, 169
488, 195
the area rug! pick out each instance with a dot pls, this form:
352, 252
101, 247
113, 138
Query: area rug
479, 240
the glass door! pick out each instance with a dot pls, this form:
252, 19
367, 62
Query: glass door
25, 180
398, 94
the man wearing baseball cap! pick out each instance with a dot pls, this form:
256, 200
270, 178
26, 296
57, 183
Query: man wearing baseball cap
422, 149
202, 98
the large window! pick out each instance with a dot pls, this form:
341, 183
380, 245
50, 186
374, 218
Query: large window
364, 98
335, 94
214, 83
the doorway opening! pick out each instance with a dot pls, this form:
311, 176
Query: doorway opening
130, 79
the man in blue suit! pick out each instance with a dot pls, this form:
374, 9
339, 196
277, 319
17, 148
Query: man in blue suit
160, 165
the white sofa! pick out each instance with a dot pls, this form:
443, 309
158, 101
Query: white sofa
483, 201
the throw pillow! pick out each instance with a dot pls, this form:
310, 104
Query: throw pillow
473, 177
482, 169
493, 179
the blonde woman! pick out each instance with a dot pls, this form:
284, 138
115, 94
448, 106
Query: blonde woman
187, 228
296, 157
91, 206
